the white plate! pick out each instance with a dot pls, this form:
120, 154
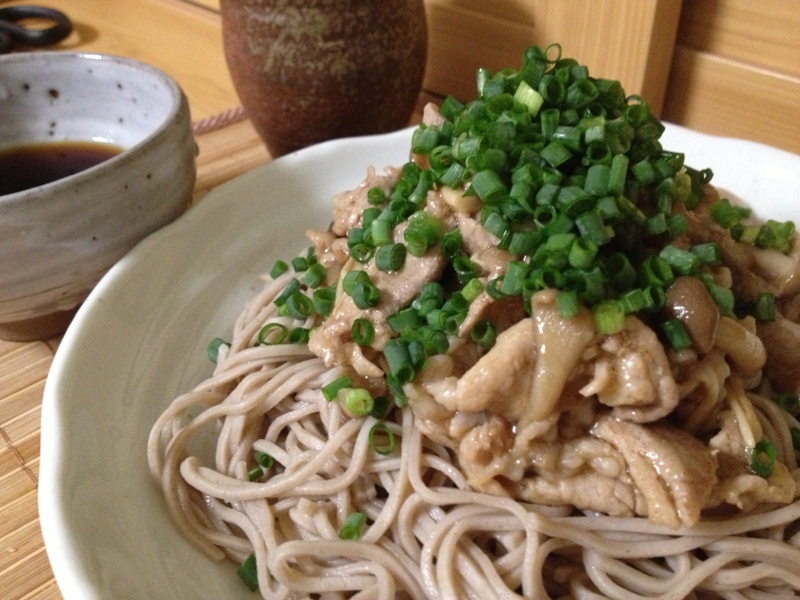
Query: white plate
140, 339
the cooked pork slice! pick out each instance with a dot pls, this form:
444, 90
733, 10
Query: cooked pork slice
398, 288
515, 379
633, 375
587, 473
348, 206
674, 471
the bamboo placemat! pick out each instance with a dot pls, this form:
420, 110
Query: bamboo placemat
25, 572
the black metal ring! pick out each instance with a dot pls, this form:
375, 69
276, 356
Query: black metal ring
46, 36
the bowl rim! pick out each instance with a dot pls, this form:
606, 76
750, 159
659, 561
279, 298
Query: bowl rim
178, 110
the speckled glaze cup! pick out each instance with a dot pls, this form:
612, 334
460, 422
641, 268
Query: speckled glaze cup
312, 70
58, 239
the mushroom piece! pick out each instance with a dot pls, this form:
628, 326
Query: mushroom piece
688, 300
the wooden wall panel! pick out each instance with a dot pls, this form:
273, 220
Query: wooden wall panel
729, 98
629, 40
736, 71
766, 34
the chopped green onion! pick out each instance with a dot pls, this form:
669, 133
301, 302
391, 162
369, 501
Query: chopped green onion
682, 261
376, 196
788, 401
416, 352
795, 433
609, 317
472, 289
299, 335
435, 342
423, 231
762, 458
272, 333
351, 279
484, 333
213, 348
264, 460
516, 271
725, 214
366, 295
248, 573
323, 299
381, 231
255, 473
330, 390
568, 304
299, 305
676, 334
363, 332
279, 268
376, 433
358, 402
379, 406
451, 244
351, 530
464, 268
291, 288
555, 153
315, 275
299, 264
776, 235
709, 253
528, 96
400, 365
390, 257
764, 309
404, 320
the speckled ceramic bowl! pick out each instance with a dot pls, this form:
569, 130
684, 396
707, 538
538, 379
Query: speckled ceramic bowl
58, 239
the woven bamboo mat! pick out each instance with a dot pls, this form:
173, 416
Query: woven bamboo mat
227, 148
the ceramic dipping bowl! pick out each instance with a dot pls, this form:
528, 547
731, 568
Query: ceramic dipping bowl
57, 239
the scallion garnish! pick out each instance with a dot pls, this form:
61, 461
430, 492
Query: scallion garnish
248, 572
363, 331
330, 390
299, 306
272, 333
609, 317
299, 335
676, 334
381, 438
762, 458
484, 333
358, 402
390, 257
213, 348
351, 530
400, 365
264, 460
788, 401
366, 295
279, 268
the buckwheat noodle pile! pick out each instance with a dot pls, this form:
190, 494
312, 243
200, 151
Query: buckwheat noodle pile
633, 465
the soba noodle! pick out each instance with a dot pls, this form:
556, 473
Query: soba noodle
437, 525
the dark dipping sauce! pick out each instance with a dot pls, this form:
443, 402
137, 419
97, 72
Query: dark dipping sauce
30, 165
